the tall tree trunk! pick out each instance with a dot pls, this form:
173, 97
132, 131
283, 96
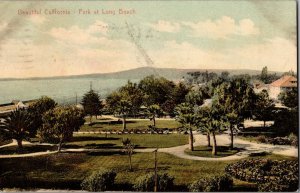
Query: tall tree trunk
60, 144
154, 121
20, 144
130, 162
264, 124
214, 149
191, 140
91, 118
231, 136
124, 122
208, 139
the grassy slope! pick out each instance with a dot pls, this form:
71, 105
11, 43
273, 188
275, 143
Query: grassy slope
61, 167
204, 151
140, 140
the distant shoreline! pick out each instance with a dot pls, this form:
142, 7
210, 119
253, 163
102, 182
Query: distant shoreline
139, 72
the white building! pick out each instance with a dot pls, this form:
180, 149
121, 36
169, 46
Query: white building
285, 83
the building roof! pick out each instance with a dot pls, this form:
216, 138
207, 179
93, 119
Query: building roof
8, 107
285, 81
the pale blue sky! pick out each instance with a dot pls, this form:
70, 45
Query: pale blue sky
175, 34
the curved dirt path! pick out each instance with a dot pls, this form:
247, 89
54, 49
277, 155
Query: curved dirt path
248, 148
224, 140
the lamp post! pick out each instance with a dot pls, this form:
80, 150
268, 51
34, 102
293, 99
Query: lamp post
155, 170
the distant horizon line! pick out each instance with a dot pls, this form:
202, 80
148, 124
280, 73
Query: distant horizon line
108, 73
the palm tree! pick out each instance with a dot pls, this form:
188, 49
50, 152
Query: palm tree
210, 121
128, 148
16, 126
203, 124
186, 116
153, 111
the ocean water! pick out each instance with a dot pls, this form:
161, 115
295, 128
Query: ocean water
62, 90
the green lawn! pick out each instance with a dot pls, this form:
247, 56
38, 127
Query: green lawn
141, 124
115, 141
66, 170
204, 151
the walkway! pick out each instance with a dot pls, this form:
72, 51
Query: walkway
248, 148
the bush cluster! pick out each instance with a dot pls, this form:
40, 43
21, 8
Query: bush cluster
101, 180
269, 175
146, 183
215, 184
290, 140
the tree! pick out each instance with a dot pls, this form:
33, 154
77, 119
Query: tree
128, 148
60, 123
36, 111
286, 121
16, 126
125, 101
157, 89
266, 77
179, 92
186, 116
203, 123
120, 104
194, 97
134, 95
92, 104
225, 75
289, 98
153, 111
214, 124
234, 100
264, 107
264, 74
176, 97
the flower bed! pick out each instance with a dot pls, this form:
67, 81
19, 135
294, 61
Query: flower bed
269, 175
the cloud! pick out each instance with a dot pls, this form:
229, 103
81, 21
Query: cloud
280, 14
278, 54
222, 28
166, 26
185, 55
98, 27
37, 19
74, 51
3, 26
75, 35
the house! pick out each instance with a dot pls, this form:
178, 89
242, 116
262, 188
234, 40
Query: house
259, 86
285, 83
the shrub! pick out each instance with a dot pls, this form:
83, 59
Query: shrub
262, 139
283, 174
271, 187
146, 182
214, 184
293, 139
199, 185
101, 180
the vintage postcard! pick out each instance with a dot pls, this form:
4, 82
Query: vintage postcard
149, 96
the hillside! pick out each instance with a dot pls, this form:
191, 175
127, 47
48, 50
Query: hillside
139, 73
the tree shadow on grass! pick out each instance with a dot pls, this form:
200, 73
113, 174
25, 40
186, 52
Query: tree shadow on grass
92, 138
93, 146
105, 153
